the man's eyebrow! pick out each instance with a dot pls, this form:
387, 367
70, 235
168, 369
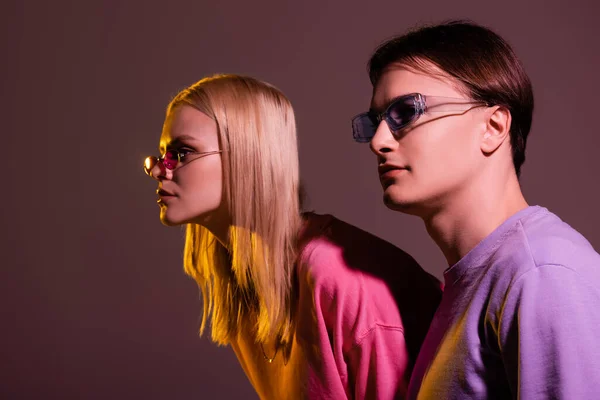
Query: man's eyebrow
386, 103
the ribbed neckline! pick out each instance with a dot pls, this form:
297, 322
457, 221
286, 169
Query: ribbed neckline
484, 249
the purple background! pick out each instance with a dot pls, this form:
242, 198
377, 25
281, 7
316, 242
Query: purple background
93, 300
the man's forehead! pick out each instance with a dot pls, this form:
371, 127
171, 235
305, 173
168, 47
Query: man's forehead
399, 80
395, 80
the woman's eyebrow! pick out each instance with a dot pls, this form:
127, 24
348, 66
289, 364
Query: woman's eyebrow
176, 142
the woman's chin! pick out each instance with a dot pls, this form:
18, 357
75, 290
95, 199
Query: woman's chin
171, 216
169, 220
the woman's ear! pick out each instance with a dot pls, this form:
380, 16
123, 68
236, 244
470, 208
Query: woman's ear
497, 129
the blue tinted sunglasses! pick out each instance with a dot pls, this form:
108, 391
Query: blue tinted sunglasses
405, 110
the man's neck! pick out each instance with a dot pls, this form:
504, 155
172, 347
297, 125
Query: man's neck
472, 215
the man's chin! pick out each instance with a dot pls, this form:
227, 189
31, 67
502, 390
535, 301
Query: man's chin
401, 205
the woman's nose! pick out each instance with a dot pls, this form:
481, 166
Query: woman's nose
155, 168
158, 171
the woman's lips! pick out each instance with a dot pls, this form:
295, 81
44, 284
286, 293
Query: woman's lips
164, 196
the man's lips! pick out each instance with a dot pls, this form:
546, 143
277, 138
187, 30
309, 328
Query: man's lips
389, 170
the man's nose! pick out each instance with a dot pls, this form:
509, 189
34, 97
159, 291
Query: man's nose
383, 141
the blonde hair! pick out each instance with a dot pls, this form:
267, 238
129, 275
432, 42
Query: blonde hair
251, 279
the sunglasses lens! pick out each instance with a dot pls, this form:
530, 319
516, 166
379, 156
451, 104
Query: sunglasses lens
149, 163
171, 159
363, 127
401, 113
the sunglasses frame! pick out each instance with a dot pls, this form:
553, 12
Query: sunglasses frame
160, 160
420, 105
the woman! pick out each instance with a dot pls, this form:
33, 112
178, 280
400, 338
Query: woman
312, 306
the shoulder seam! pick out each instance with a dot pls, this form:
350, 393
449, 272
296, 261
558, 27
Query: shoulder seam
375, 326
520, 277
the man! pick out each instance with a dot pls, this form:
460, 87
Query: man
449, 119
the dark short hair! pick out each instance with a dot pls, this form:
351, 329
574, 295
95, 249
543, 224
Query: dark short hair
476, 57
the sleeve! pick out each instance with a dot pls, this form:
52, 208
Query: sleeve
378, 364
548, 335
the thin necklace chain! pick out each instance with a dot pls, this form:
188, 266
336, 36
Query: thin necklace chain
269, 359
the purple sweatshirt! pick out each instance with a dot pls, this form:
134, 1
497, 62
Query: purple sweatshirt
519, 318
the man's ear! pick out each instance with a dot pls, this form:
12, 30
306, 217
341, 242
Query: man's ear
497, 129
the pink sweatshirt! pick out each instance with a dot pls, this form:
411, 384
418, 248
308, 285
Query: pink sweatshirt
364, 309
